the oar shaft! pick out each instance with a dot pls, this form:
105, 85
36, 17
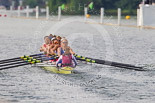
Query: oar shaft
122, 66
14, 60
20, 57
115, 63
14, 66
23, 63
17, 61
110, 63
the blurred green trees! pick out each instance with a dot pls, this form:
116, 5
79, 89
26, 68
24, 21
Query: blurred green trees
77, 6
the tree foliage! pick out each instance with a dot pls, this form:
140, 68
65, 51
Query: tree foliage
75, 5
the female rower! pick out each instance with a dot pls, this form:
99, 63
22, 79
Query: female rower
59, 39
64, 44
66, 59
51, 36
46, 47
55, 46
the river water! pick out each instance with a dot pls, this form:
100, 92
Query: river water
91, 83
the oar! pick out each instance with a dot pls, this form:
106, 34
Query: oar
14, 63
21, 59
25, 60
14, 66
18, 58
110, 63
22, 64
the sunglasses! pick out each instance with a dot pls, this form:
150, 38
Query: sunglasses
65, 42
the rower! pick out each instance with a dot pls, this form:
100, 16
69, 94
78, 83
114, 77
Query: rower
54, 48
66, 59
46, 47
64, 44
50, 36
56, 45
59, 39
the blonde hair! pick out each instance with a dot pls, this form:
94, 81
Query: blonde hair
64, 39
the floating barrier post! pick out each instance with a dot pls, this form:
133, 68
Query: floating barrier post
27, 11
37, 12
85, 14
47, 12
119, 16
102, 16
59, 13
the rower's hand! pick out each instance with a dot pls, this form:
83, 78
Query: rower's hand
45, 52
73, 53
41, 49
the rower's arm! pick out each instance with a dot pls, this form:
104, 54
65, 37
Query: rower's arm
55, 47
42, 49
51, 46
71, 51
74, 59
58, 61
48, 50
59, 51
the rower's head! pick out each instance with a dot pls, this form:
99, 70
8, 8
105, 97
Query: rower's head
55, 41
67, 51
50, 36
54, 36
64, 42
58, 38
47, 40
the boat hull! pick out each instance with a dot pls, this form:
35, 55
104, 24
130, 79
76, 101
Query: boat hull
63, 70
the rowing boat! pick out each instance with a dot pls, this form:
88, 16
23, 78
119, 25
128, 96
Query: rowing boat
35, 59
63, 70
54, 69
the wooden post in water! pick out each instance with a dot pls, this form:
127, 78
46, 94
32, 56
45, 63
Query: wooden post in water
18, 11
37, 12
27, 11
47, 12
59, 13
119, 16
102, 16
85, 14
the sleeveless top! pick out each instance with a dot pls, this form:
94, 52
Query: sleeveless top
67, 60
62, 51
